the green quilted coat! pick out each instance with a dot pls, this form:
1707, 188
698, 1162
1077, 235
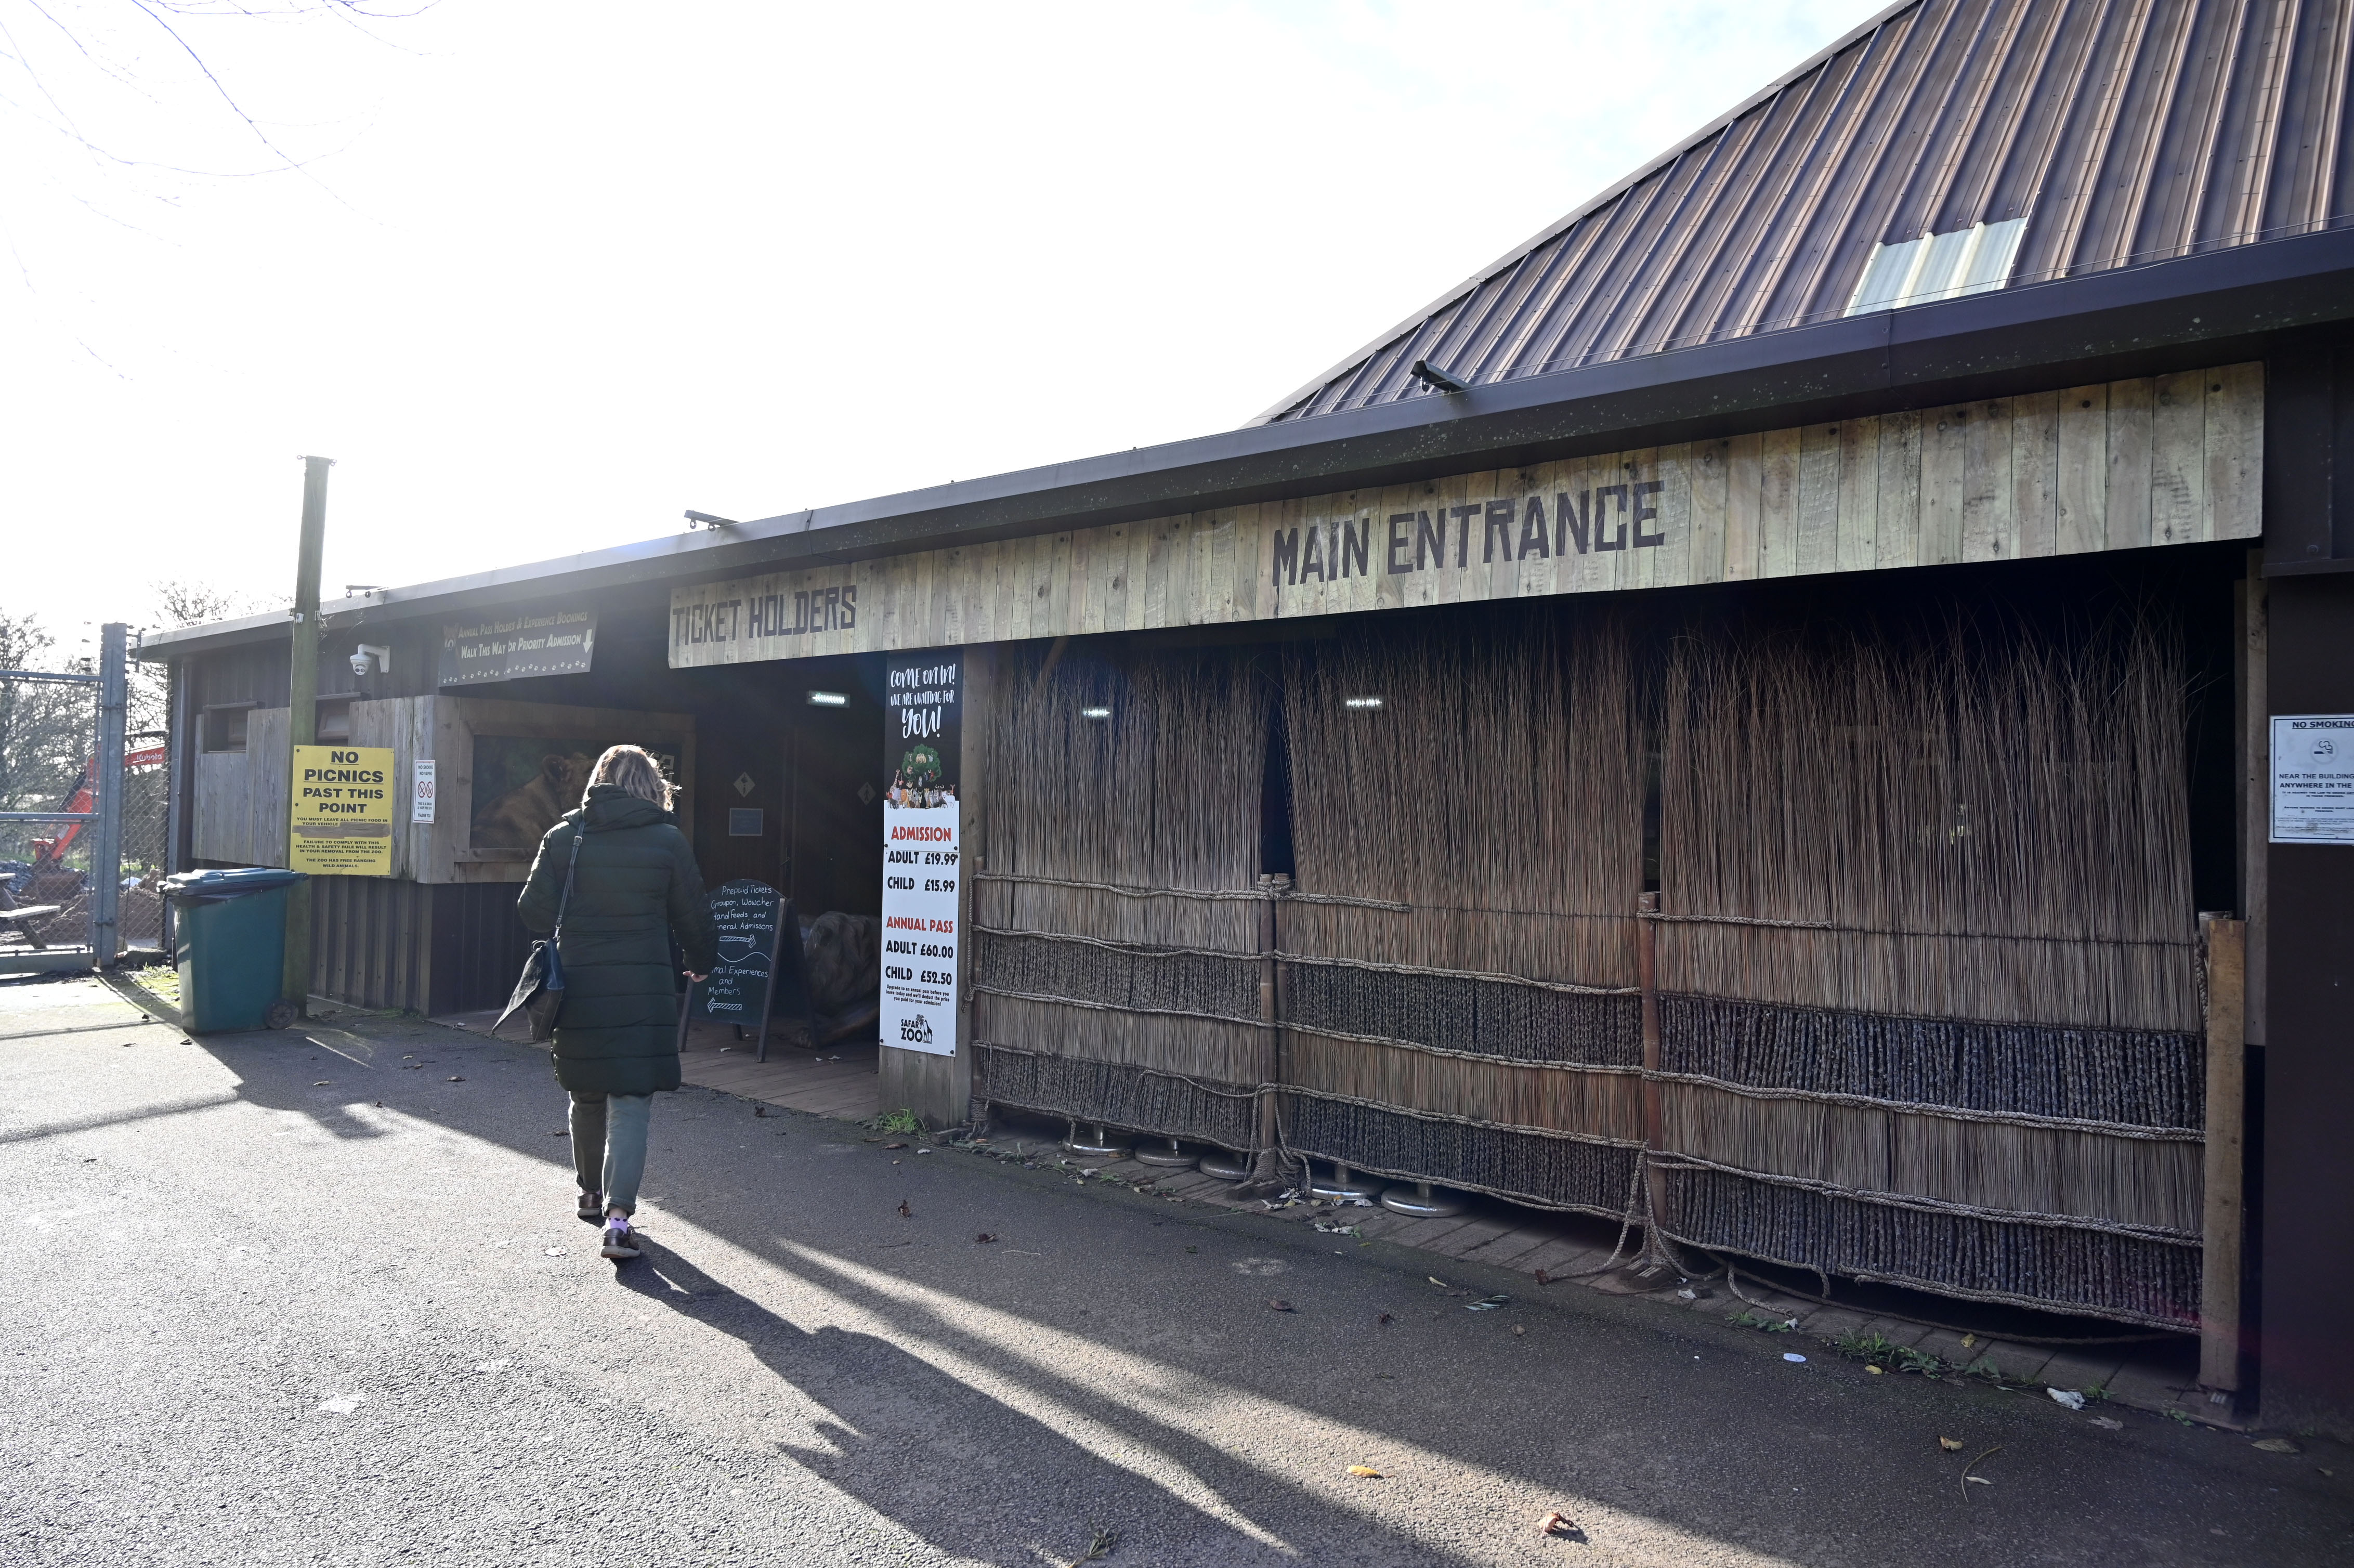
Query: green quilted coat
637, 891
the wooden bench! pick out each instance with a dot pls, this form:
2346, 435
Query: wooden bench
22, 920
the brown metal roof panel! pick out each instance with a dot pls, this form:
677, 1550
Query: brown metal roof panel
2305, 170
1831, 250
2121, 130
1581, 315
2189, 118
1739, 226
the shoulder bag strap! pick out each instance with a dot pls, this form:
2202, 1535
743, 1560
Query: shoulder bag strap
570, 866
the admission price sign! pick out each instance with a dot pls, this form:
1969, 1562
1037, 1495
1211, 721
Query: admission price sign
339, 819
922, 846
758, 975
2313, 779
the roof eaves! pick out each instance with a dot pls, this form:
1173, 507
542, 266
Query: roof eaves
2230, 295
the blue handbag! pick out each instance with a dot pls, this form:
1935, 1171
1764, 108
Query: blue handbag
539, 990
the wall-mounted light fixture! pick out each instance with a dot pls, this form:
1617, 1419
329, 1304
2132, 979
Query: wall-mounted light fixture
829, 700
1094, 713
1361, 702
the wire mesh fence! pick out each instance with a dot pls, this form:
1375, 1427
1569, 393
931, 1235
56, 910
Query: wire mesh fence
142, 915
49, 758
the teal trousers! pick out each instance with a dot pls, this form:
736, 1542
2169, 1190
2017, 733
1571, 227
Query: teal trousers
608, 1146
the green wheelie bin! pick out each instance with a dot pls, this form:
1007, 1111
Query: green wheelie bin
229, 942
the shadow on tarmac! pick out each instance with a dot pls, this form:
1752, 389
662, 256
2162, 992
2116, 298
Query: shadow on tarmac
971, 1475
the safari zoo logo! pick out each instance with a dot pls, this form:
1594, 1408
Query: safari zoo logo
921, 780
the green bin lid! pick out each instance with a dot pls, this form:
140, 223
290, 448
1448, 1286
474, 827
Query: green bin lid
196, 885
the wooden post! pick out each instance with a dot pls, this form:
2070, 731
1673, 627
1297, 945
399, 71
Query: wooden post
2255, 783
2224, 941
1646, 976
302, 715
1270, 1013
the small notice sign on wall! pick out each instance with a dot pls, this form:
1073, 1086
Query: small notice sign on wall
340, 817
922, 842
423, 784
2313, 779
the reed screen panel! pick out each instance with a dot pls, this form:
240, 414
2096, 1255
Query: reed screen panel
1458, 973
1118, 969
1927, 959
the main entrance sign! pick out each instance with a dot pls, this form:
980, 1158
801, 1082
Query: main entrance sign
2163, 459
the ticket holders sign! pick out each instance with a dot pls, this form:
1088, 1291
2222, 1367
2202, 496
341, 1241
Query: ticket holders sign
922, 731
758, 976
339, 819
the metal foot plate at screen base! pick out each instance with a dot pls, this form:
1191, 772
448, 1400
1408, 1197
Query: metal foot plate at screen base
1343, 1187
1225, 1165
1094, 1143
1165, 1152
1421, 1202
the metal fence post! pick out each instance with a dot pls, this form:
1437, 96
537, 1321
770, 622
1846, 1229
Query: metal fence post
106, 855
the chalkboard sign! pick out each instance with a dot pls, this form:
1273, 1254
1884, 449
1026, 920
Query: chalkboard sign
760, 973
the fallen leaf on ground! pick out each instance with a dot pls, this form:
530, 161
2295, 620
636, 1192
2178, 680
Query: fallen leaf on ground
2108, 1422
457, 1080
1518, 1331
1279, 1305
2279, 1446
1877, 1371
1365, 1472
1968, 1340
1977, 1480
1555, 1523
1435, 1280
889, 1146
1950, 1444
320, 1083
1385, 1320
559, 1135
1104, 1542
1543, 1278
984, 1236
906, 1212
759, 1110
1488, 1304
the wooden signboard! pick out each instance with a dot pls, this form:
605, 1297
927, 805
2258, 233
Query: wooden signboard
760, 973
2163, 460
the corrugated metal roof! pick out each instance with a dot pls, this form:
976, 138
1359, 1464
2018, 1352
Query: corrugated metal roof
2122, 132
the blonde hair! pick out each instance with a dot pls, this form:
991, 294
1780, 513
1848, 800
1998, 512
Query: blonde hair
634, 770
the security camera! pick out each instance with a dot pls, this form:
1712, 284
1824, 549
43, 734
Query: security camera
360, 666
381, 653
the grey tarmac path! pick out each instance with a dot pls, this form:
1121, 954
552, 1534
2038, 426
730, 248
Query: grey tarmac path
319, 1298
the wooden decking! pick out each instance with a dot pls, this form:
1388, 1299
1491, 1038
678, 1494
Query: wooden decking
839, 1081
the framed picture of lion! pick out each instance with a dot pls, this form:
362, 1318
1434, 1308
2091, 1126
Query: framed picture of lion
521, 765
524, 783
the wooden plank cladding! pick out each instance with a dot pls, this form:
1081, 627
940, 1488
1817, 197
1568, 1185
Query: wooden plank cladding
2158, 460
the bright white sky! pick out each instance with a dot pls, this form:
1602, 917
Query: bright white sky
551, 274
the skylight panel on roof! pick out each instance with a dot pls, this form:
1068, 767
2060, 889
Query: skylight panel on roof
1972, 261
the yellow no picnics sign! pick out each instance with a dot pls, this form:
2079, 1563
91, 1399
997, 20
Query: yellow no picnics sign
339, 819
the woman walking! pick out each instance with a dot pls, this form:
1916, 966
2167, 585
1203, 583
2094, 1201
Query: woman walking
635, 890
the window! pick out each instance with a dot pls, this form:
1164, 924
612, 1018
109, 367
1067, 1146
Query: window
224, 725
1972, 261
